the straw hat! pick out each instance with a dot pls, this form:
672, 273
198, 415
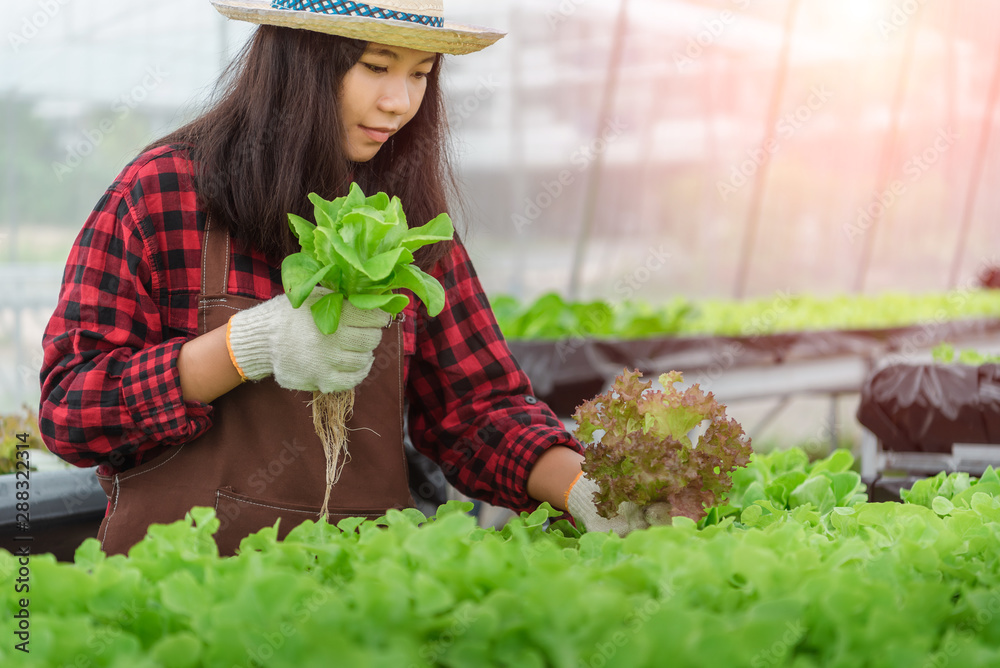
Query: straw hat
414, 24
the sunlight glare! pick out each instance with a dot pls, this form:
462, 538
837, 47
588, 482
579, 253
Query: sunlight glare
863, 12
850, 22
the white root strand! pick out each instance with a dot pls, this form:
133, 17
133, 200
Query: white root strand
330, 415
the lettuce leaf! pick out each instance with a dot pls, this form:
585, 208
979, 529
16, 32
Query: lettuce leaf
958, 488
361, 249
646, 455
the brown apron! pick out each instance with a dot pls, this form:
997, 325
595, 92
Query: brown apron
261, 460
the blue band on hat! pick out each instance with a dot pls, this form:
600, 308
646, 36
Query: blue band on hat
355, 9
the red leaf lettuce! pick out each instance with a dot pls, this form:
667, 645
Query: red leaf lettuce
646, 456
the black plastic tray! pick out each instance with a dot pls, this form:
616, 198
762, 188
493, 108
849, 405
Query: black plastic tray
65, 507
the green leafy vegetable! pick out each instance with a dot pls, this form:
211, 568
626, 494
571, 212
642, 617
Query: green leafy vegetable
945, 354
957, 488
786, 479
361, 249
645, 454
550, 317
872, 585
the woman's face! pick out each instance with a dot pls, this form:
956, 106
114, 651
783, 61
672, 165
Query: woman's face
381, 94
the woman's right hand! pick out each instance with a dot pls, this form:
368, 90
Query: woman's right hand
275, 339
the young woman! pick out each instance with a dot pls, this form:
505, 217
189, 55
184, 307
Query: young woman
172, 301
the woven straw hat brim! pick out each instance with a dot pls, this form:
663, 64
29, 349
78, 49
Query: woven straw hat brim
453, 38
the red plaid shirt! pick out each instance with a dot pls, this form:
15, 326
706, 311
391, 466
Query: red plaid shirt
111, 393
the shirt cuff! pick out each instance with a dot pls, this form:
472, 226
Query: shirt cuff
151, 392
516, 465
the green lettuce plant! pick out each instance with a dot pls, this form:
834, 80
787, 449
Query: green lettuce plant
945, 353
950, 490
551, 317
361, 249
875, 585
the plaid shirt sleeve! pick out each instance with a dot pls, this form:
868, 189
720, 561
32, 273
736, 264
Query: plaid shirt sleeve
110, 387
471, 406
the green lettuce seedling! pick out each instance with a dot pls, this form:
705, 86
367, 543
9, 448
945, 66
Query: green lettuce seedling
362, 250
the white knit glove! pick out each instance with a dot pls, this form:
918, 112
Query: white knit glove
581, 505
275, 339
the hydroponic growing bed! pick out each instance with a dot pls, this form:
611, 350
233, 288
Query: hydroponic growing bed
797, 570
570, 350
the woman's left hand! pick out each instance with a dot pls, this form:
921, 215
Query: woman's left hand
629, 517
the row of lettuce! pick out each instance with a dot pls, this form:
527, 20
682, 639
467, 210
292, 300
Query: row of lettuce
551, 317
797, 570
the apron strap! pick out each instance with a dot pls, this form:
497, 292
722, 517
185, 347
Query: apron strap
215, 260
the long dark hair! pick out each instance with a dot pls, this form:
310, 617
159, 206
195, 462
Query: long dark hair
274, 135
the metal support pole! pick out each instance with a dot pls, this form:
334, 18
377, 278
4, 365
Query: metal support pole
648, 194
594, 175
518, 142
978, 167
884, 177
951, 96
769, 417
760, 185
